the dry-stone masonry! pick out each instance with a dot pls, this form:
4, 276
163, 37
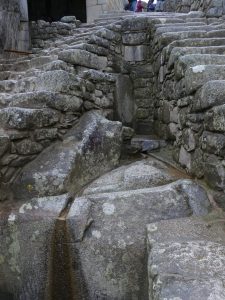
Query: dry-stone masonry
73, 216
211, 8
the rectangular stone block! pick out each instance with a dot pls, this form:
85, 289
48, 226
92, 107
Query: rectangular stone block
136, 53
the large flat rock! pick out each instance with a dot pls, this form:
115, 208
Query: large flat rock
107, 234
137, 175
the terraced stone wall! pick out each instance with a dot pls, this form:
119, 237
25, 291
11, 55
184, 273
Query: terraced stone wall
157, 73
189, 106
212, 8
171, 71
43, 33
40, 108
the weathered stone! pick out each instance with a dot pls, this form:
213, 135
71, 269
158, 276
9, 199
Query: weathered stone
92, 218
92, 147
108, 35
213, 143
55, 81
142, 113
127, 133
84, 58
147, 143
66, 103
185, 158
142, 174
215, 174
42, 134
189, 252
4, 143
27, 147
187, 61
134, 38
136, 53
124, 100
68, 19
211, 94
215, 119
196, 76
25, 269
189, 140
25, 118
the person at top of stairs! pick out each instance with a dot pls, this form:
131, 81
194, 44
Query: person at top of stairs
133, 4
139, 6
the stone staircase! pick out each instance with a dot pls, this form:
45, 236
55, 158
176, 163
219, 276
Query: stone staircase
73, 225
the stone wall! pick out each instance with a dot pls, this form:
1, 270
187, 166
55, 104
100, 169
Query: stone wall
171, 83
44, 33
212, 8
153, 76
97, 7
14, 34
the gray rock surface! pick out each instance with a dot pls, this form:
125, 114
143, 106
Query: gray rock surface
89, 149
186, 258
138, 175
107, 225
84, 58
27, 230
161, 74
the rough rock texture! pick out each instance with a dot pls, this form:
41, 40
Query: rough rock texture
213, 8
89, 149
186, 258
160, 73
27, 232
107, 226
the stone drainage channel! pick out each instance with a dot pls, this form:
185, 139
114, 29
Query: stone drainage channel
66, 281
61, 285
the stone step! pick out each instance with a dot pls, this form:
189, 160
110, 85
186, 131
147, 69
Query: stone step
196, 20
7, 86
197, 76
95, 49
83, 58
146, 143
184, 27
40, 100
197, 42
26, 118
183, 36
20, 66
180, 25
187, 61
179, 51
211, 94
37, 80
